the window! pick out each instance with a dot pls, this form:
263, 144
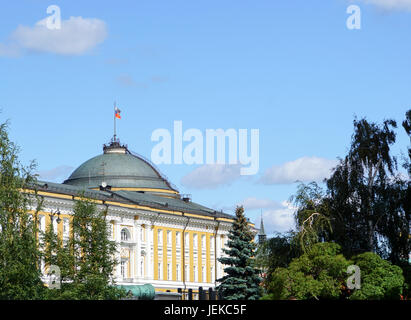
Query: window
187, 273
169, 238
203, 274
168, 271
195, 273
142, 231
186, 241
66, 227
203, 242
178, 272
160, 236
178, 240
195, 243
55, 225
123, 268
142, 267
160, 271
125, 235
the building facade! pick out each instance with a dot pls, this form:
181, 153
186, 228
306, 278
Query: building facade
163, 238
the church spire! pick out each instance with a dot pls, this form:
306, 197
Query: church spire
261, 234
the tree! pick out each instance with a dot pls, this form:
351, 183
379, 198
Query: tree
20, 277
407, 127
276, 252
317, 274
364, 194
312, 215
379, 278
87, 259
56, 252
406, 205
241, 281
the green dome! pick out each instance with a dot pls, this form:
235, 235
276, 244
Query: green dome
119, 169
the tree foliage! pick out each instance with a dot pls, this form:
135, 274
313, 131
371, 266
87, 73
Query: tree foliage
365, 209
86, 259
318, 273
407, 127
311, 216
321, 273
359, 188
276, 252
379, 278
20, 277
242, 280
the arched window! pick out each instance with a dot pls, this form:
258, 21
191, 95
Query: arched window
125, 235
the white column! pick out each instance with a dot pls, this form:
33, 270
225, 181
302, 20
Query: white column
218, 254
137, 250
149, 243
117, 237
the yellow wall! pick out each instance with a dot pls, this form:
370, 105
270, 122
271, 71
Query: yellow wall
199, 263
165, 259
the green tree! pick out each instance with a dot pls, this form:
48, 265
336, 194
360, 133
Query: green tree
312, 215
276, 252
56, 252
365, 195
407, 127
406, 205
86, 260
320, 273
242, 280
379, 278
20, 277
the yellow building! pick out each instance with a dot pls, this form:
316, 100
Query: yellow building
163, 237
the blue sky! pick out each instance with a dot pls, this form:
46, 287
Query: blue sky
291, 69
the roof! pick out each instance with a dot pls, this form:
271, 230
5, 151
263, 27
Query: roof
120, 169
132, 198
123, 177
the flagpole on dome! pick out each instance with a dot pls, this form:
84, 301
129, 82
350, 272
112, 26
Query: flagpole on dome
114, 115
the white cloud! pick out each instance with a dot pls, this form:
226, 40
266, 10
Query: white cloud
252, 203
389, 4
57, 174
278, 220
303, 169
76, 36
211, 176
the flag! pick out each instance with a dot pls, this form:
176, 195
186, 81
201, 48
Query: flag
117, 113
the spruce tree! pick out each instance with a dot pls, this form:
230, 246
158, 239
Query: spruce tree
242, 280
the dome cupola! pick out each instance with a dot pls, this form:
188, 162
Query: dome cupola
119, 169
